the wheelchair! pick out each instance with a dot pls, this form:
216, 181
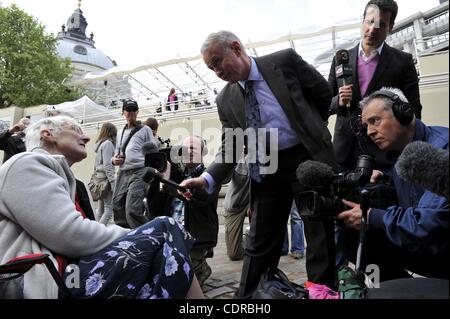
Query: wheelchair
15, 269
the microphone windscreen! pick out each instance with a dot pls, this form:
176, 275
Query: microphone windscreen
149, 148
312, 174
342, 57
425, 165
343, 69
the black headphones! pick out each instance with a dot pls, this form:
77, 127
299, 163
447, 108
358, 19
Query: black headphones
403, 111
204, 146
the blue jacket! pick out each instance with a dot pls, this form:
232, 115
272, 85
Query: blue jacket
420, 223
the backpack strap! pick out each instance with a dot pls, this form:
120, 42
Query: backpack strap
133, 131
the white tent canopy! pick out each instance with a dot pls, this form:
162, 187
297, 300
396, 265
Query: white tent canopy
84, 109
152, 82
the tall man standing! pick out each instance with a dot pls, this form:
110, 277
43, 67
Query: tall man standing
375, 64
129, 192
280, 91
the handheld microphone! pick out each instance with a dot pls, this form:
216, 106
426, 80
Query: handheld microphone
343, 70
425, 165
150, 173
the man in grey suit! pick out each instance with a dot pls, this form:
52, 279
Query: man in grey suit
375, 65
292, 97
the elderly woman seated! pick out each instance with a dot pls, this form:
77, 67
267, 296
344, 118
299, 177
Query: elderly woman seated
44, 209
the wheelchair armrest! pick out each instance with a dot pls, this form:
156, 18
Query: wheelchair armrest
20, 265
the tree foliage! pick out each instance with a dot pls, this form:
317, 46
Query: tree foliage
31, 72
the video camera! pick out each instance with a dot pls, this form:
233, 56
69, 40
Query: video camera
326, 189
166, 141
157, 158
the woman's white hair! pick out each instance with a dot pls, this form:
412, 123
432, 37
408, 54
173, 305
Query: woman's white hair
224, 38
53, 123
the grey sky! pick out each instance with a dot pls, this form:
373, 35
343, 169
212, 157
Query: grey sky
134, 32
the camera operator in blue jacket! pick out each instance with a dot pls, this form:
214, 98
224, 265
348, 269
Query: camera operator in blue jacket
413, 235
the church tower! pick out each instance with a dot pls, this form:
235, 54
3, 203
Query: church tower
74, 44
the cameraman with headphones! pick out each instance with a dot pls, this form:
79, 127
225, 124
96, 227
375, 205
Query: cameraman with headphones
199, 215
414, 234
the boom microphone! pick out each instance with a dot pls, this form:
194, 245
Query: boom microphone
425, 165
311, 174
343, 70
150, 173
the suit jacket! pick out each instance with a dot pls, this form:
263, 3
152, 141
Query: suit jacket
237, 197
11, 144
304, 96
395, 69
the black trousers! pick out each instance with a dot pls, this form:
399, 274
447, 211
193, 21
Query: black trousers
271, 201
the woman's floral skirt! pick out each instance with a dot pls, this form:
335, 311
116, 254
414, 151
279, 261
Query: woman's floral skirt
150, 262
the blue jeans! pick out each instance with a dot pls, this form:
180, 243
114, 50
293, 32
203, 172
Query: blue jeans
297, 234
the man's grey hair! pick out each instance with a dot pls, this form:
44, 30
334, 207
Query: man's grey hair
388, 102
224, 38
53, 123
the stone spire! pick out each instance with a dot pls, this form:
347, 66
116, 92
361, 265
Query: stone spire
75, 28
77, 22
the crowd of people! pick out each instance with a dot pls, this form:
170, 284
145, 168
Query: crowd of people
146, 240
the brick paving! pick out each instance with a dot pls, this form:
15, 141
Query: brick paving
224, 280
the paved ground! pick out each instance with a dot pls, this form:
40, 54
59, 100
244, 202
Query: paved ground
226, 274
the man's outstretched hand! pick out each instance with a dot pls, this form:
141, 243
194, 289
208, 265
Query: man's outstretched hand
197, 182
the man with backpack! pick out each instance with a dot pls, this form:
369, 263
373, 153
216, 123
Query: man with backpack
129, 192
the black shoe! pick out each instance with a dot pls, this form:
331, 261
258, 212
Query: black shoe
209, 253
297, 255
203, 273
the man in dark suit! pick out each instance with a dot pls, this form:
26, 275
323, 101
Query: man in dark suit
292, 97
13, 141
375, 65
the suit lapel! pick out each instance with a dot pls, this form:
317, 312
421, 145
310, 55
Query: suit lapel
354, 62
237, 102
383, 63
277, 83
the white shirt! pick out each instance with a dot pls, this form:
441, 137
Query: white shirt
372, 55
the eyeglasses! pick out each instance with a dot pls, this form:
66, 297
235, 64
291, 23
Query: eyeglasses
376, 23
72, 128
